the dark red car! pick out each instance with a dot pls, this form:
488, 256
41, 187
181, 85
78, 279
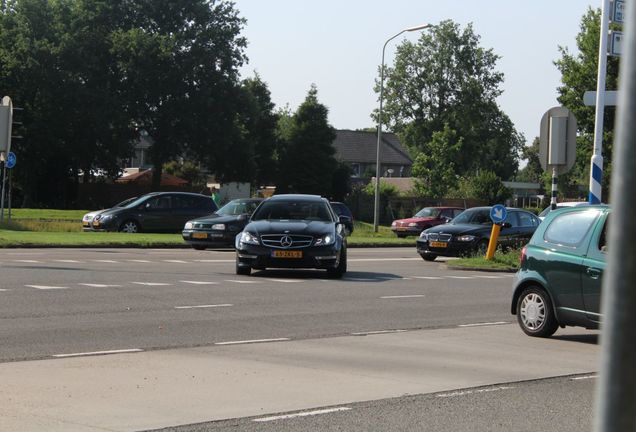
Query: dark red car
423, 219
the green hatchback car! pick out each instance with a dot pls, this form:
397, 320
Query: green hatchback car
560, 276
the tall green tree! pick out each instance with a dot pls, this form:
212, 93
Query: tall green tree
485, 185
579, 74
308, 163
447, 78
435, 170
533, 171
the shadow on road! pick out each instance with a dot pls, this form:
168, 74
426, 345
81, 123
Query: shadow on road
589, 338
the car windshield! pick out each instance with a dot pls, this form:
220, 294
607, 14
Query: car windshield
125, 202
136, 202
237, 207
477, 216
293, 210
428, 212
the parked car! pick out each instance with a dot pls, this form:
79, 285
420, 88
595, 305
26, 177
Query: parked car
87, 219
221, 227
341, 209
293, 231
425, 218
155, 212
469, 233
561, 271
548, 209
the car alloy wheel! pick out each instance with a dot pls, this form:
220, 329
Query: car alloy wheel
129, 227
535, 314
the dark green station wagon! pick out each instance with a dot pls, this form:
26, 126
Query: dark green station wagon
560, 276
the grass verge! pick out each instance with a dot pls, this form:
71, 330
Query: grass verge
508, 261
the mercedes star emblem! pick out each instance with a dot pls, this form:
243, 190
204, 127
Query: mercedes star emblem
286, 241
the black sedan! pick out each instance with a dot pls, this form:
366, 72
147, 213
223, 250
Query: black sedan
469, 233
155, 212
293, 231
220, 228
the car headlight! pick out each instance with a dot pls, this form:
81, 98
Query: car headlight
188, 226
104, 218
218, 227
423, 236
326, 240
465, 238
413, 224
249, 238
393, 224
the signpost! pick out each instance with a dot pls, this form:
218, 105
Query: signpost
498, 214
557, 144
6, 121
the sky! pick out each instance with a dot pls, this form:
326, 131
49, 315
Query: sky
337, 45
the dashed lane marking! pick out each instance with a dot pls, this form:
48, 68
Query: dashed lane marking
214, 261
138, 261
376, 332
484, 324
402, 296
105, 261
460, 277
94, 285
97, 353
204, 306
428, 277
285, 280
199, 282
67, 261
175, 261
253, 341
469, 392
46, 287
381, 259
243, 281
302, 414
152, 283
27, 261
585, 377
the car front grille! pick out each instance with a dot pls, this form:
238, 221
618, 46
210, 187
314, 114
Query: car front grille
439, 237
282, 241
204, 226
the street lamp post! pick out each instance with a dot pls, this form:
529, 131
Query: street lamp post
376, 209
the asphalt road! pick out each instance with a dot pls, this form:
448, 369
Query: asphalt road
134, 339
62, 301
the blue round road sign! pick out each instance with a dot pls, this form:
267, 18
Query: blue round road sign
11, 160
498, 213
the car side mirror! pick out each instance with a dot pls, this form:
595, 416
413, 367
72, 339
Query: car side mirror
344, 220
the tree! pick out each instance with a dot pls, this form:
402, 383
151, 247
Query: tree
308, 164
533, 171
486, 186
579, 74
435, 170
447, 79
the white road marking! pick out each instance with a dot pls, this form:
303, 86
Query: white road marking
489, 277
469, 392
402, 296
243, 281
381, 259
104, 261
301, 414
175, 261
586, 377
3, 290
151, 283
484, 324
200, 282
377, 332
203, 306
46, 287
285, 280
214, 261
252, 341
428, 277
99, 285
27, 261
138, 261
461, 277
95, 353
67, 261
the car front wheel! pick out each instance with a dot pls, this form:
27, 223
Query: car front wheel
535, 314
130, 226
243, 271
339, 271
428, 257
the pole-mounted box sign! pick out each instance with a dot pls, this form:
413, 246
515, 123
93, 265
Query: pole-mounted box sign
617, 9
6, 120
615, 43
557, 140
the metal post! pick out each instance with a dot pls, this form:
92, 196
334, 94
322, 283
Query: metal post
555, 186
376, 207
9, 218
596, 162
4, 178
616, 391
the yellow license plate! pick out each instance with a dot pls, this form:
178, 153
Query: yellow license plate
86, 224
287, 254
198, 235
438, 244
95, 224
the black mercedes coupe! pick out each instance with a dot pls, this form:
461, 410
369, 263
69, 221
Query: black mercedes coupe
293, 231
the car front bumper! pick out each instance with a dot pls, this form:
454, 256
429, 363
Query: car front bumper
322, 257
452, 248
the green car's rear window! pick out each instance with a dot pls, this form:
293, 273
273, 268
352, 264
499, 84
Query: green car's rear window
569, 229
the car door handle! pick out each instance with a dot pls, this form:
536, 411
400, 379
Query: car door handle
594, 273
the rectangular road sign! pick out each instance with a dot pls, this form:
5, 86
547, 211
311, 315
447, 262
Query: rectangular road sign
615, 45
611, 96
617, 11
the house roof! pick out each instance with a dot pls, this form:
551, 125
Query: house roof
361, 147
145, 177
